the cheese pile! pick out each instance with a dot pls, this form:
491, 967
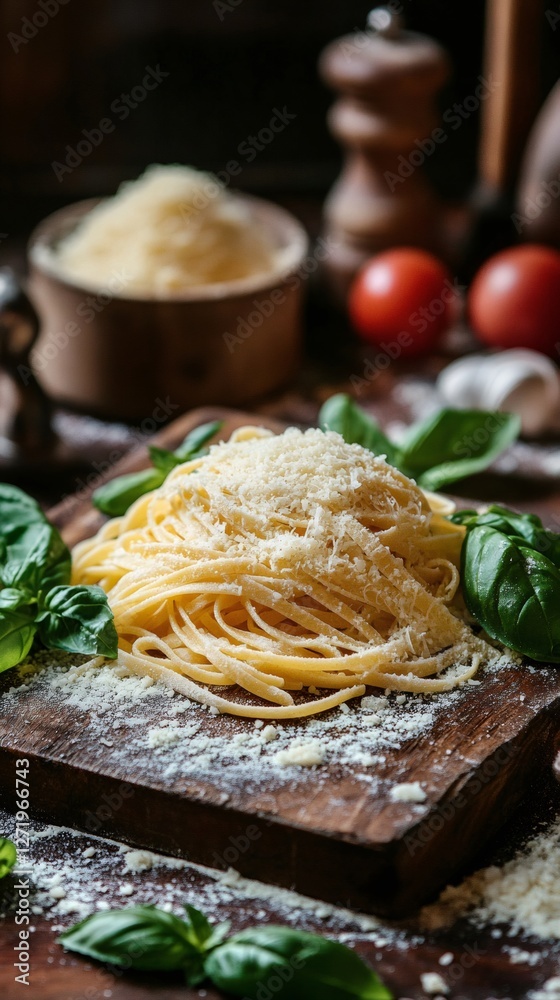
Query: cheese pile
174, 228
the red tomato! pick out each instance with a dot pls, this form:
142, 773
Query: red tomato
514, 300
403, 300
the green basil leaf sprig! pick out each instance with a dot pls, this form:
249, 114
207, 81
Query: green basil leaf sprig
510, 572
446, 447
115, 497
301, 966
340, 413
310, 967
36, 599
8, 856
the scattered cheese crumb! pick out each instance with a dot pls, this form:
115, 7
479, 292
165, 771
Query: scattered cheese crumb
408, 791
138, 861
432, 983
447, 958
163, 737
126, 889
89, 852
258, 723
269, 733
57, 892
300, 755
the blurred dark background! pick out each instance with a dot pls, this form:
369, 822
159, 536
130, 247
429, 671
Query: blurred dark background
229, 64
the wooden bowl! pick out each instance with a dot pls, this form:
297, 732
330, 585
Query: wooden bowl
119, 356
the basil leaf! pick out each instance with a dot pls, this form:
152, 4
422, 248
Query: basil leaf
11, 597
453, 444
17, 631
36, 559
162, 459
201, 933
341, 414
115, 497
17, 512
8, 856
79, 620
513, 591
138, 937
194, 441
529, 527
309, 967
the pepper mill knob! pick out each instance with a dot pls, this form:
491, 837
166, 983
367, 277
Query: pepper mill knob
27, 425
389, 80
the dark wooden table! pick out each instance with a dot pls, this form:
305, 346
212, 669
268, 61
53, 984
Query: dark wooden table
485, 969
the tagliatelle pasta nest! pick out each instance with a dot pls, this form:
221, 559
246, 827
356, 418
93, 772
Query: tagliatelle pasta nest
280, 564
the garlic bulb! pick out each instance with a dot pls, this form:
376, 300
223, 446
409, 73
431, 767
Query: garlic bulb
517, 381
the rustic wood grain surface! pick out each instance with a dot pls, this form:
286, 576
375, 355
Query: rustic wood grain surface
529, 733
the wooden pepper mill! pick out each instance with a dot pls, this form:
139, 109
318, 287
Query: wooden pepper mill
387, 120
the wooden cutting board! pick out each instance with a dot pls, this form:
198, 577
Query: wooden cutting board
334, 831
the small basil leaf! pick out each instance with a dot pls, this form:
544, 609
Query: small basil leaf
17, 512
79, 620
17, 631
200, 928
115, 497
455, 443
138, 937
36, 559
8, 856
465, 517
341, 414
513, 591
309, 967
162, 459
529, 527
10, 597
194, 441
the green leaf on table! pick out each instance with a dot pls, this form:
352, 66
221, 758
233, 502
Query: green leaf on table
453, 444
8, 856
17, 631
115, 497
341, 414
137, 937
202, 934
79, 620
192, 445
36, 559
17, 512
309, 967
162, 459
512, 590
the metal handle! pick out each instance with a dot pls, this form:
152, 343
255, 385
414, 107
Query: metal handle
29, 425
